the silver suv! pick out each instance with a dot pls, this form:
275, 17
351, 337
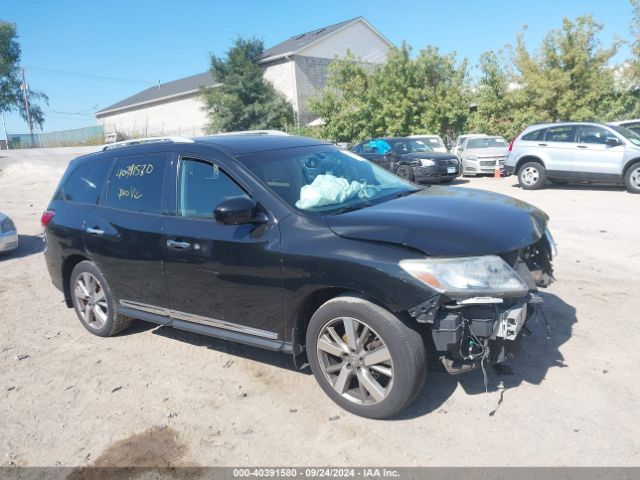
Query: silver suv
576, 151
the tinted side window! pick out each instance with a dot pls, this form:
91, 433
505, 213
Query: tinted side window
202, 187
85, 182
534, 136
561, 134
136, 184
633, 126
590, 134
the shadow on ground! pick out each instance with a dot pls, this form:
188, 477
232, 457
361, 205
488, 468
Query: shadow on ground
587, 187
276, 359
27, 245
541, 351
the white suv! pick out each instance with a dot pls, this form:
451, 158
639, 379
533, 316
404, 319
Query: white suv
576, 151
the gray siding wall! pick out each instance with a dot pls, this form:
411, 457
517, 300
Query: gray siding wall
311, 77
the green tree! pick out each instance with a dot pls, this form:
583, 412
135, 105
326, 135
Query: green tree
243, 99
569, 78
493, 96
344, 103
444, 87
404, 95
11, 94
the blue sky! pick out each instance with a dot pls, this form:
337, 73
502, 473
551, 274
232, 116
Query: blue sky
117, 48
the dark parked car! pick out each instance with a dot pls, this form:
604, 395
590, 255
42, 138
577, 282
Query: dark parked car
410, 159
291, 244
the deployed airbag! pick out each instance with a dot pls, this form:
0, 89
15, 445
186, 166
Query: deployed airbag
330, 190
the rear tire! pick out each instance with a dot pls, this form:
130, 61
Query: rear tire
531, 176
406, 172
341, 339
94, 303
632, 178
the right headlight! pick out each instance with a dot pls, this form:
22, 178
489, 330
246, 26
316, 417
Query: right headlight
471, 157
467, 276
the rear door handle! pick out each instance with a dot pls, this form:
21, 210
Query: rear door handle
582, 146
94, 231
178, 245
543, 145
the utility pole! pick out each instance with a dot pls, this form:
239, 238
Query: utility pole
25, 92
4, 127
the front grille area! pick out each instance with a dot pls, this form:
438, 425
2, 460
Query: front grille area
491, 163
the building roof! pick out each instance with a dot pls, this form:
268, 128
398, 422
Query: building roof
191, 84
163, 90
302, 40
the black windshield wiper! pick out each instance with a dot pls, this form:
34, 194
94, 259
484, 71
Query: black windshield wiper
406, 192
351, 208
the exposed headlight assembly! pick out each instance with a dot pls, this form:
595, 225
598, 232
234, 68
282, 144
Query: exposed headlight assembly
467, 276
425, 162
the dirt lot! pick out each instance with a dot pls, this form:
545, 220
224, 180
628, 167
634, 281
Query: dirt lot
159, 396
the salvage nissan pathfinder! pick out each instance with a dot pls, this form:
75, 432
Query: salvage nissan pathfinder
291, 244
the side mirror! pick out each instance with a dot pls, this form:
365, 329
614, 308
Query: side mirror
612, 142
237, 211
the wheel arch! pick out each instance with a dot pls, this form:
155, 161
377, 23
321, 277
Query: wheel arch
67, 267
527, 159
315, 300
629, 164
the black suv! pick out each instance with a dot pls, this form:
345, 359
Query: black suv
410, 159
291, 244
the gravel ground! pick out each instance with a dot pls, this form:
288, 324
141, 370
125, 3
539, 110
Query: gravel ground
157, 396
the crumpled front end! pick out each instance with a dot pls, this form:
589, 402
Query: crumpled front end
470, 329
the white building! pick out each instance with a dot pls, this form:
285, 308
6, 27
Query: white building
297, 67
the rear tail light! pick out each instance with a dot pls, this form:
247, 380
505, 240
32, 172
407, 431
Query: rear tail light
514, 139
46, 218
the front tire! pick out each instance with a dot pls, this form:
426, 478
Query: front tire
94, 303
632, 179
406, 172
531, 176
364, 358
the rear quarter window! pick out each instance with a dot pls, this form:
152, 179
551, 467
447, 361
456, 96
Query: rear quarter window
85, 182
135, 184
534, 136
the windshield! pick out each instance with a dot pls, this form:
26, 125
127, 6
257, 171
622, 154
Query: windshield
633, 137
323, 178
433, 142
408, 145
487, 142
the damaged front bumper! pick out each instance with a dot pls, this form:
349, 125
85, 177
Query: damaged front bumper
469, 331
466, 335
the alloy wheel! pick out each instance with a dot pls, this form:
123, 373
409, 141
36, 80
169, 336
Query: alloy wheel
91, 300
355, 361
634, 178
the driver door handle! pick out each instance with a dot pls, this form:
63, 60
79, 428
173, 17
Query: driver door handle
94, 231
543, 144
178, 245
582, 146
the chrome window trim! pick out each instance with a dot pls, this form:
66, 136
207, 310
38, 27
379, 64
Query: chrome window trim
189, 317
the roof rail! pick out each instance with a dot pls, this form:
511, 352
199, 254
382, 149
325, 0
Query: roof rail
141, 141
253, 132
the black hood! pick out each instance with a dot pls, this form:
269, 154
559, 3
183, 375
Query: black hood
429, 155
446, 221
